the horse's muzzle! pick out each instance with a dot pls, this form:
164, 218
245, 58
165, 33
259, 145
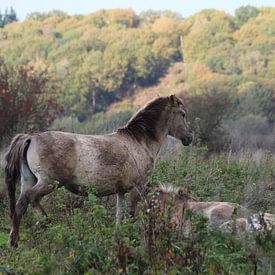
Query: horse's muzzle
187, 140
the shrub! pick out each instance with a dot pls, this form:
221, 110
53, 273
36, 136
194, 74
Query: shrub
83, 238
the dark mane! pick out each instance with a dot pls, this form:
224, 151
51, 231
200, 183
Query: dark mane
143, 124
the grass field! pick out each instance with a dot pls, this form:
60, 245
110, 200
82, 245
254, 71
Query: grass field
82, 237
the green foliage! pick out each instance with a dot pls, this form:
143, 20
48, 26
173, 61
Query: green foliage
221, 178
96, 58
41, 16
83, 238
98, 124
101, 58
7, 17
256, 99
244, 13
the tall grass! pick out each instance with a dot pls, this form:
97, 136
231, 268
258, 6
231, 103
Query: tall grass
82, 236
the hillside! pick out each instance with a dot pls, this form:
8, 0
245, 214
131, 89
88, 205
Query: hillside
88, 63
90, 74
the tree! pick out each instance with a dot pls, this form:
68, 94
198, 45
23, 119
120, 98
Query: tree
206, 112
210, 29
257, 99
244, 13
27, 99
40, 16
7, 17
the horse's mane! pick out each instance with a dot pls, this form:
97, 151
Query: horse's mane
143, 124
168, 188
171, 189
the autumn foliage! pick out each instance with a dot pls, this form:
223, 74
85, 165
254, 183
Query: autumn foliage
27, 101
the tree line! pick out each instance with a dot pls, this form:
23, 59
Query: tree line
89, 62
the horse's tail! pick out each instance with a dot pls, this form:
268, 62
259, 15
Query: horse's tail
14, 156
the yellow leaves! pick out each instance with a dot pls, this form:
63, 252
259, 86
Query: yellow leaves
271, 69
185, 26
253, 63
71, 255
121, 17
68, 23
164, 47
126, 17
165, 25
36, 67
202, 78
257, 31
200, 72
210, 28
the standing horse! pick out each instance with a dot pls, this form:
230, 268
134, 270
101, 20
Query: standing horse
110, 164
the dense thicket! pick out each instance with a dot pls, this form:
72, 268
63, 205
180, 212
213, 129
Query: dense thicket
108, 55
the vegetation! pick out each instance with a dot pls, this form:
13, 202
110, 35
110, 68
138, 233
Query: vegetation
82, 236
89, 74
113, 55
7, 17
27, 99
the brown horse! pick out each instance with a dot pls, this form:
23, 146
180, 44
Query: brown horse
109, 164
223, 215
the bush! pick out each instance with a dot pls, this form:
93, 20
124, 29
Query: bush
27, 100
83, 238
97, 124
206, 112
251, 132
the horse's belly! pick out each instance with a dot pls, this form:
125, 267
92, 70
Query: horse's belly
103, 180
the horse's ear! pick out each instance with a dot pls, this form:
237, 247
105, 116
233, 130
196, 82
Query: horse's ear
173, 99
182, 195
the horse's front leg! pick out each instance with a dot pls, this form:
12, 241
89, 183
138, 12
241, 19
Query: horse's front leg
119, 204
43, 216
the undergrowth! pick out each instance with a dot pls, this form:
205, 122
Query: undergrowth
82, 237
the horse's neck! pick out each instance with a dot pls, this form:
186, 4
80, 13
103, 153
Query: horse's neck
154, 147
162, 132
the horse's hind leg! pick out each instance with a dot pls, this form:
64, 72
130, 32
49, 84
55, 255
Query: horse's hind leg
33, 196
37, 192
28, 180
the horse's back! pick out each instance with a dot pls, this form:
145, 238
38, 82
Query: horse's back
217, 212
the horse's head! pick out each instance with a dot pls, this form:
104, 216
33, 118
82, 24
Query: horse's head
183, 196
178, 127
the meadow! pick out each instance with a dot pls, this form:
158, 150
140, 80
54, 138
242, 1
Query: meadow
82, 237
